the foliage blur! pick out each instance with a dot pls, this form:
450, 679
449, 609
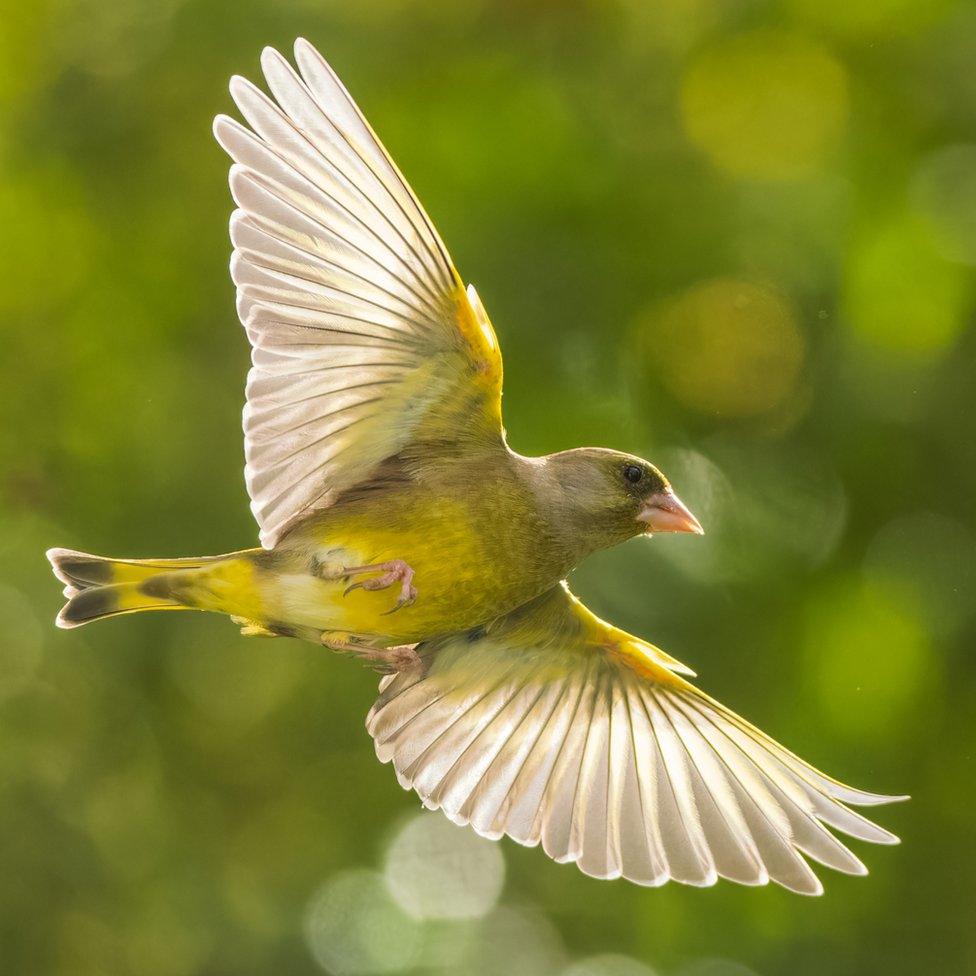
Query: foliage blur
735, 237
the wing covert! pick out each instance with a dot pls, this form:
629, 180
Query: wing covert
364, 340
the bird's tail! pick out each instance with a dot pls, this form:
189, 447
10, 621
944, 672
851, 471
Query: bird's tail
97, 587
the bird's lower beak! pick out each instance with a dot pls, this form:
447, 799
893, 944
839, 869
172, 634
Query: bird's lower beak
664, 511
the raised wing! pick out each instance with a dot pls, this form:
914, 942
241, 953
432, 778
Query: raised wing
364, 339
555, 728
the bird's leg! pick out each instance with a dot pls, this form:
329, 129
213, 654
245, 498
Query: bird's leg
385, 660
396, 570
389, 660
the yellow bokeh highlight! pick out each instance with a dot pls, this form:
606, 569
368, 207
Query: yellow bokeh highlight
765, 105
234, 686
863, 18
726, 346
870, 656
23, 54
901, 294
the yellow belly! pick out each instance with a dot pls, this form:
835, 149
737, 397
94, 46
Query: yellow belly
456, 568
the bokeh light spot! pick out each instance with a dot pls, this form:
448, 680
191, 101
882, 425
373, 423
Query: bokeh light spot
610, 964
435, 869
765, 105
726, 346
37, 207
763, 510
164, 936
862, 18
114, 38
716, 967
932, 557
354, 928
127, 819
901, 295
944, 192
870, 656
515, 942
234, 684
448, 943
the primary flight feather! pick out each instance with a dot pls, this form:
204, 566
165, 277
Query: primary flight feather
396, 524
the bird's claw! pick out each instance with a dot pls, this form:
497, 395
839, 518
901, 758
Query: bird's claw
393, 659
392, 572
384, 660
407, 597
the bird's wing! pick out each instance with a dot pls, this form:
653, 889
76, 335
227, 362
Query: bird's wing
364, 338
553, 727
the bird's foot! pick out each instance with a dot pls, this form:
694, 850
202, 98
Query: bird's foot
385, 660
390, 660
394, 571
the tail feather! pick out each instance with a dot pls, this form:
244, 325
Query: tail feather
97, 602
96, 586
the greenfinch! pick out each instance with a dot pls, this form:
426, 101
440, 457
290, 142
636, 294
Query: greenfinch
397, 525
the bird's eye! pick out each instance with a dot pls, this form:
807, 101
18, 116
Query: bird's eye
633, 473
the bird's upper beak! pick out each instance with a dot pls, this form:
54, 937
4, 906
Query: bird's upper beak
664, 511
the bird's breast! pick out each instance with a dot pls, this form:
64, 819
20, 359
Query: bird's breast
475, 554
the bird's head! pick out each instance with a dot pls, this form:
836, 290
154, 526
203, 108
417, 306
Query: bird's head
610, 496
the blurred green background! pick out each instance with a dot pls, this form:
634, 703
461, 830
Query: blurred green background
735, 237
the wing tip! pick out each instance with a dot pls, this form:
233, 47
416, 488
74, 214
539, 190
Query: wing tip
220, 123
814, 891
305, 50
864, 798
238, 82
272, 58
245, 93
893, 798
888, 839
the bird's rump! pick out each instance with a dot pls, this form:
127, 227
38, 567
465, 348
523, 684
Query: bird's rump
364, 339
553, 727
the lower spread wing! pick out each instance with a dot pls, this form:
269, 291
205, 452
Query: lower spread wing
364, 339
553, 727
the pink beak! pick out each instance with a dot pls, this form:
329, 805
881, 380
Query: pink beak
664, 511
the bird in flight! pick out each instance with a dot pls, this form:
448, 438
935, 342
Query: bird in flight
397, 525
